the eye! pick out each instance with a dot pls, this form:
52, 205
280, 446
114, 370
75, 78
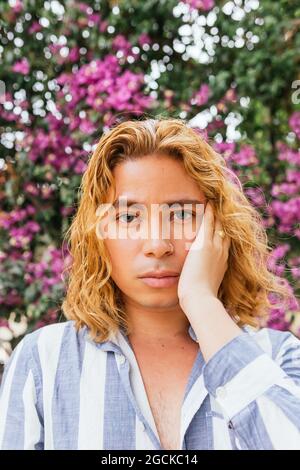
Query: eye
190, 214
126, 215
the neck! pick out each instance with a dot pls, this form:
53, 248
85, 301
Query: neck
152, 324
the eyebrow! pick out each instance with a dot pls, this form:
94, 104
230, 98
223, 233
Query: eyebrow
130, 202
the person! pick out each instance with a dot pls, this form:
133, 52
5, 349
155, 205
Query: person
165, 343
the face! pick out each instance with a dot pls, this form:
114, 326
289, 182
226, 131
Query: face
161, 238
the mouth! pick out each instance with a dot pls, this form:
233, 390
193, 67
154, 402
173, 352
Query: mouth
166, 281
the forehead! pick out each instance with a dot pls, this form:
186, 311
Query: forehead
154, 179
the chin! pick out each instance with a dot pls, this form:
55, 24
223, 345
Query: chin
158, 301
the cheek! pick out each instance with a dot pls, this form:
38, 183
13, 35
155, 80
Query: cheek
122, 255
181, 251
186, 232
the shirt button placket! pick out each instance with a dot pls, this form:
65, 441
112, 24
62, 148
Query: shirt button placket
122, 360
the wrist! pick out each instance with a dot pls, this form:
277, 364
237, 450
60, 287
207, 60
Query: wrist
196, 298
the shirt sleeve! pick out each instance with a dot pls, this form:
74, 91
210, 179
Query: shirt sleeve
258, 393
21, 421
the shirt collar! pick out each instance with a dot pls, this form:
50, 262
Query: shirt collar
113, 343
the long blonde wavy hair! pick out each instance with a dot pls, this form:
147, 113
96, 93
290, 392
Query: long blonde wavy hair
93, 299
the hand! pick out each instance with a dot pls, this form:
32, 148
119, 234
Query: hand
206, 262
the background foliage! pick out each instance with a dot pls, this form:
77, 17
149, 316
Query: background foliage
70, 69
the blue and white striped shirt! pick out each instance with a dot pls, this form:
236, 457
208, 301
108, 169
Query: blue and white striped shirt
61, 390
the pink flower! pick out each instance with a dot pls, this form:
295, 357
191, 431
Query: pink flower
35, 27
144, 38
31, 189
204, 5
246, 156
120, 43
22, 66
288, 214
65, 211
83, 7
294, 123
103, 26
295, 272
277, 254
225, 148
86, 126
74, 54
230, 96
18, 6
288, 154
94, 18
256, 196
201, 96
80, 167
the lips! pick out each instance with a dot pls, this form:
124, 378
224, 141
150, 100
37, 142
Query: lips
160, 279
159, 274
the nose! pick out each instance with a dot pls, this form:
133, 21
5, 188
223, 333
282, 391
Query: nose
157, 247
158, 244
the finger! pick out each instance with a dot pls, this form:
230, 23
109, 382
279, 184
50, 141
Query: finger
198, 241
217, 239
209, 222
225, 242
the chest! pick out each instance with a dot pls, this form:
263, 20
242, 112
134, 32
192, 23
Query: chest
165, 375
